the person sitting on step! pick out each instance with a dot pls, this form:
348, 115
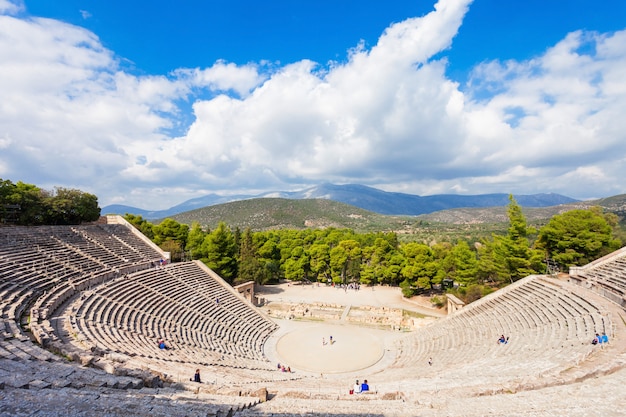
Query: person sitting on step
365, 386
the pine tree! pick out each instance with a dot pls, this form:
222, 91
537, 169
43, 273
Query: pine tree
221, 252
577, 237
514, 248
250, 269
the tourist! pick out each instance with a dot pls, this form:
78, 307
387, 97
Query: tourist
364, 386
430, 361
357, 387
597, 340
162, 344
503, 340
604, 338
196, 376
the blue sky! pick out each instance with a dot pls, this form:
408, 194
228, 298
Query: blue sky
152, 103
158, 37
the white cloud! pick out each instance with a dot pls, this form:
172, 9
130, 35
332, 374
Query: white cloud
224, 76
388, 117
11, 7
568, 103
388, 108
73, 116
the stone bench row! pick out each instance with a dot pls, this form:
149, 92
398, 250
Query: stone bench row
186, 350
39, 267
606, 277
541, 318
238, 328
92, 242
129, 240
211, 298
187, 313
119, 242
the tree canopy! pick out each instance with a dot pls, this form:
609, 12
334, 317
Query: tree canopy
578, 237
28, 205
510, 257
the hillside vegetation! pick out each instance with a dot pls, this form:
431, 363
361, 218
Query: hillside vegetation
615, 204
29, 205
292, 248
279, 213
447, 225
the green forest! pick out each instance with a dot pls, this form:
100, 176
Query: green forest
342, 256
28, 205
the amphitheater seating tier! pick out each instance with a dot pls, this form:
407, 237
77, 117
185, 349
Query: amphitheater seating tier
606, 276
202, 320
38, 260
549, 324
124, 310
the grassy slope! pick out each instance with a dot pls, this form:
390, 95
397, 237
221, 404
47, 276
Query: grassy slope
277, 213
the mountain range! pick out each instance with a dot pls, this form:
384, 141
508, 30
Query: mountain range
361, 196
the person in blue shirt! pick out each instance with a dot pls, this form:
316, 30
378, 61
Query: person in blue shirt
364, 386
604, 338
597, 340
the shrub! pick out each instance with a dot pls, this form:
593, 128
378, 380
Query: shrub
472, 293
407, 290
437, 301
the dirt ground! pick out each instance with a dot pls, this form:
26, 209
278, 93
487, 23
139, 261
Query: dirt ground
377, 296
305, 345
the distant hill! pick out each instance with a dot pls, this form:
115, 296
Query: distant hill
384, 202
194, 203
281, 213
492, 214
615, 204
367, 198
